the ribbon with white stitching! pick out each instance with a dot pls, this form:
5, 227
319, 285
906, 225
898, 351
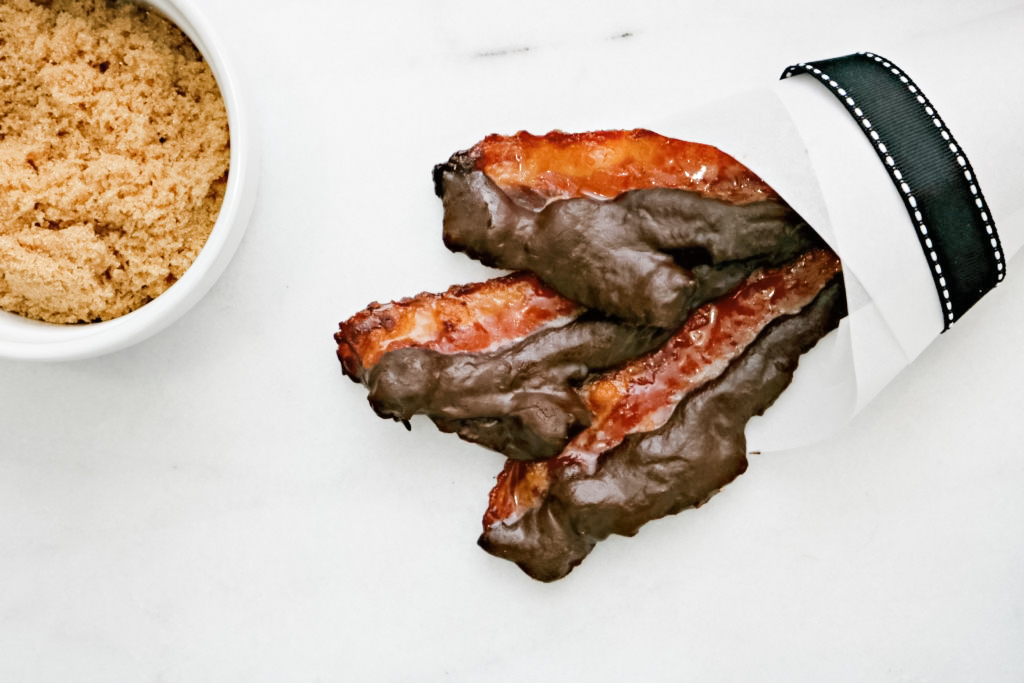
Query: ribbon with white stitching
931, 172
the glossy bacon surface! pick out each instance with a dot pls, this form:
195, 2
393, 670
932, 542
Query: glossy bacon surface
471, 317
642, 395
536, 169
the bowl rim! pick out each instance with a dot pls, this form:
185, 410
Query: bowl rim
25, 339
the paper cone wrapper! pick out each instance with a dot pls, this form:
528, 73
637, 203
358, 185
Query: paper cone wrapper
800, 139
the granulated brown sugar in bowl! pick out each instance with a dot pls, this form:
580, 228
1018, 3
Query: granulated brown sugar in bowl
114, 152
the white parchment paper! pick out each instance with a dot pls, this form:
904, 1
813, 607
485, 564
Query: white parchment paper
798, 137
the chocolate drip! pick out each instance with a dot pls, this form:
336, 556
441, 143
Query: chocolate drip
519, 400
648, 256
678, 466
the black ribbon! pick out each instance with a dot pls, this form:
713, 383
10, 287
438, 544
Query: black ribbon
930, 170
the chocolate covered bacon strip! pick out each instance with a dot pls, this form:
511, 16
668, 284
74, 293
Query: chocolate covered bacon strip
496, 362
633, 224
668, 427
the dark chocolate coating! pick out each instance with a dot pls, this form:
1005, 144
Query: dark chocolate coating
518, 400
681, 465
645, 256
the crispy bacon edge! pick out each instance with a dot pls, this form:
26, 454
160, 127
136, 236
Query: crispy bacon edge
537, 169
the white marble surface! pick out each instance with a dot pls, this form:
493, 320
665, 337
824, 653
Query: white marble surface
219, 503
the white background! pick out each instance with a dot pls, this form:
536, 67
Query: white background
219, 504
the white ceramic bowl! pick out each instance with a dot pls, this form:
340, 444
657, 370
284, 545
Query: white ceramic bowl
21, 338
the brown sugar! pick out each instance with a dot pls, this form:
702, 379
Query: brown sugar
113, 157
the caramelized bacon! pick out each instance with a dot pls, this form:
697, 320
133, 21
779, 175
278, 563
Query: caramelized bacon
641, 395
496, 362
537, 169
472, 317
653, 237
518, 399
645, 455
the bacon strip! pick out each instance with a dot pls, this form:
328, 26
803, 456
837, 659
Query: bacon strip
496, 362
739, 353
675, 232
